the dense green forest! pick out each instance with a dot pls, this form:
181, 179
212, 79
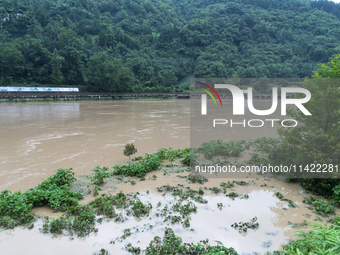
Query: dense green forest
156, 45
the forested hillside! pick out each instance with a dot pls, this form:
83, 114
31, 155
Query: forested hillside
155, 45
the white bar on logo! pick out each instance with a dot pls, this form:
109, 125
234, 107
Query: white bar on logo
204, 104
220, 122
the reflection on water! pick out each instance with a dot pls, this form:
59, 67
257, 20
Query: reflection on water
32, 112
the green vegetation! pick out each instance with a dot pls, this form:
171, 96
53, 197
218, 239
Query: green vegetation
183, 193
232, 195
103, 205
196, 178
314, 142
281, 197
129, 150
99, 175
172, 244
317, 141
80, 221
154, 46
320, 240
322, 207
102, 252
139, 209
150, 162
220, 148
243, 226
227, 185
185, 209
55, 192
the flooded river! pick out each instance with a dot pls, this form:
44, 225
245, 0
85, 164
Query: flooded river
38, 137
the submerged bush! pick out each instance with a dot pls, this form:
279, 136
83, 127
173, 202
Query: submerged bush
197, 178
150, 162
55, 192
14, 209
243, 226
172, 244
281, 197
220, 148
322, 207
139, 209
99, 175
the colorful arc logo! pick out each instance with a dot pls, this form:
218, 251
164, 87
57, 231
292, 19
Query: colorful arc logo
213, 90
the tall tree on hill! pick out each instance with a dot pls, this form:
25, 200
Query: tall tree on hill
56, 64
11, 60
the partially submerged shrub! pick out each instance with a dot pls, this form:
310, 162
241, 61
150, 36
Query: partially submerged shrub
100, 173
14, 209
55, 192
129, 150
139, 209
197, 178
322, 207
281, 197
220, 148
150, 162
243, 226
172, 244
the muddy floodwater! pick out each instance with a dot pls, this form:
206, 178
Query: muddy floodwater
39, 137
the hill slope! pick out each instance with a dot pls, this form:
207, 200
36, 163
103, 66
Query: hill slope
151, 45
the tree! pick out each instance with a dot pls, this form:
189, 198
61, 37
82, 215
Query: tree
56, 64
10, 61
129, 150
317, 140
71, 48
110, 75
169, 78
101, 38
35, 29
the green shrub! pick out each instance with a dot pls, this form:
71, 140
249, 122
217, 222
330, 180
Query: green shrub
99, 175
14, 209
320, 240
55, 192
322, 207
172, 244
243, 226
220, 148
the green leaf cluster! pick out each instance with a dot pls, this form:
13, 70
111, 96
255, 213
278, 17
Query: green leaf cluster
55, 192
150, 162
172, 244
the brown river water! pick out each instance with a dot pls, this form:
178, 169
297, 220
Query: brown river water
39, 137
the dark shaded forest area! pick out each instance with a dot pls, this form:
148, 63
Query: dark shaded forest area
156, 45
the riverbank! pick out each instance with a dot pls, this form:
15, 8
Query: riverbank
86, 99
126, 206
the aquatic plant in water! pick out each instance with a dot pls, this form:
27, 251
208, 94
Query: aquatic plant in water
172, 244
243, 226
